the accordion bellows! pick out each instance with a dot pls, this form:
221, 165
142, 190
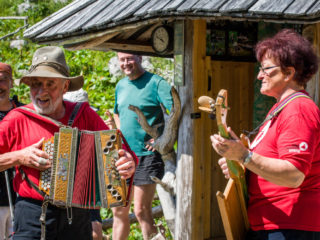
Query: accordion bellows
83, 173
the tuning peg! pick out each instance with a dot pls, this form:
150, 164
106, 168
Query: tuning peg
206, 104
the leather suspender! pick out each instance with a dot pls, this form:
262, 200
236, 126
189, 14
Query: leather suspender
59, 124
74, 114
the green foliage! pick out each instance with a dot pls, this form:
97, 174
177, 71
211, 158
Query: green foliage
163, 67
21, 59
93, 65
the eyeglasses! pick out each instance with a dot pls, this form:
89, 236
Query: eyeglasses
263, 69
128, 59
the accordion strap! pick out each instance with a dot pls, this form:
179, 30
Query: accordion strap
43, 216
44, 203
34, 186
74, 113
57, 123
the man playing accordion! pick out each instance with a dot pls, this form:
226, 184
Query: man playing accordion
22, 134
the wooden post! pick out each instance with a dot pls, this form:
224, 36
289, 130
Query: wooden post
193, 220
183, 225
200, 220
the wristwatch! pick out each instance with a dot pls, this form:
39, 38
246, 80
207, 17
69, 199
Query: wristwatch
248, 158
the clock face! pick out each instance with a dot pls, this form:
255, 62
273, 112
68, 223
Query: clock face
160, 39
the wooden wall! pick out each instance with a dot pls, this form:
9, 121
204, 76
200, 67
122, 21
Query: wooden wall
198, 174
237, 78
312, 32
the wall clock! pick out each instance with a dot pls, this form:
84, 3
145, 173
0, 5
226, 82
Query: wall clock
162, 39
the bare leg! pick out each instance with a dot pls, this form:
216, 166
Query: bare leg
4, 217
96, 230
121, 224
143, 196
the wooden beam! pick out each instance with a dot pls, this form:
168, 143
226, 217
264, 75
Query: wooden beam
95, 42
147, 34
127, 34
125, 46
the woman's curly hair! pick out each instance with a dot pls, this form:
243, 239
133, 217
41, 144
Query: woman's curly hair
290, 49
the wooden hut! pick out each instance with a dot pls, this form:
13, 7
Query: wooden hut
211, 42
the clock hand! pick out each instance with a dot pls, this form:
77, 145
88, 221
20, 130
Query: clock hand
160, 39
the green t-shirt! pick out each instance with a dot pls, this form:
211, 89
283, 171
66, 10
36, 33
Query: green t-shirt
146, 93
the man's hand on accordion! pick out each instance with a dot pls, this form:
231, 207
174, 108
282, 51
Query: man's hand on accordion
34, 157
125, 165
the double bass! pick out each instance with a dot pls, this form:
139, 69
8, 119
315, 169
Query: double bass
232, 201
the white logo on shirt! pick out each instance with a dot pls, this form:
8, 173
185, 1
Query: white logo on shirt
260, 136
303, 146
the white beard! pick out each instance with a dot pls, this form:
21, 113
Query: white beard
47, 110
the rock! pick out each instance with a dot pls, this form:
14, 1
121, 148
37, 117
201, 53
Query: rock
76, 96
62, 1
24, 7
22, 72
114, 67
18, 44
147, 65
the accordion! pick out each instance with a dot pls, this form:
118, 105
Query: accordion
83, 172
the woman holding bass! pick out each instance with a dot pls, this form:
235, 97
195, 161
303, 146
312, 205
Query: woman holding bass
284, 159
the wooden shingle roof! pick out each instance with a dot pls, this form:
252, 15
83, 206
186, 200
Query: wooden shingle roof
84, 20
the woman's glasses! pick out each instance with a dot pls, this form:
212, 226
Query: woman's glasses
263, 69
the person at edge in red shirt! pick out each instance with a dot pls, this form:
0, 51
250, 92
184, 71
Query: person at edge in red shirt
6, 200
284, 158
21, 137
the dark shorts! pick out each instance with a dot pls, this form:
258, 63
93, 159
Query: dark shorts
283, 234
95, 215
150, 165
27, 225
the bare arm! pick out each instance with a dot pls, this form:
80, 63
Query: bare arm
8, 160
30, 156
117, 120
277, 171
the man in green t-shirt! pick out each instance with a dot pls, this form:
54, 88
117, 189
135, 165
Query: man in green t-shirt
146, 91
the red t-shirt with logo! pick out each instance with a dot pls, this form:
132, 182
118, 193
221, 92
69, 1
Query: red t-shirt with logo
294, 136
18, 131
